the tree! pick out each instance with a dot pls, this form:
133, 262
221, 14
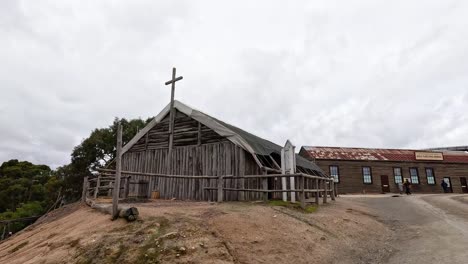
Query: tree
26, 190
96, 151
21, 182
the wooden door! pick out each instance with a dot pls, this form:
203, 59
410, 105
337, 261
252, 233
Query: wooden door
463, 185
385, 183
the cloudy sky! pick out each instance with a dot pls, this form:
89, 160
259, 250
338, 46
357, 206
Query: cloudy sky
329, 73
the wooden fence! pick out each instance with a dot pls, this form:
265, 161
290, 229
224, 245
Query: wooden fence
308, 188
5, 225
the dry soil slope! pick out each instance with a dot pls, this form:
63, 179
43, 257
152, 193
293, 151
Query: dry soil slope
182, 232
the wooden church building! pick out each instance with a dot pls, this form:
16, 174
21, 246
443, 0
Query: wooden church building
204, 147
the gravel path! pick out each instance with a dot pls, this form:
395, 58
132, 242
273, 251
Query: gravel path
429, 228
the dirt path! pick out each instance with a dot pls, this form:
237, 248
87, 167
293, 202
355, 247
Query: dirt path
428, 228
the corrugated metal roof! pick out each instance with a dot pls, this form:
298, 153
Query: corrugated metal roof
454, 148
370, 154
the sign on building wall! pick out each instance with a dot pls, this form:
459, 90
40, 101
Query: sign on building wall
429, 156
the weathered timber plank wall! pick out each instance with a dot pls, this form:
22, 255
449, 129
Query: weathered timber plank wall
213, 159
198, 150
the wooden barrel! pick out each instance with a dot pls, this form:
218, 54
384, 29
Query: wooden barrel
155, 195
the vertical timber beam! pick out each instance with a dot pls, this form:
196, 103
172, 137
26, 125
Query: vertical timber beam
146, 141
110, 185
126, 185
241, 173
118, 172
220, 188
302, 193
171, 123
98, 183
293, 187
4, 232
283, 179
325, 191
265, 186
84, 193
199, 134
317, 187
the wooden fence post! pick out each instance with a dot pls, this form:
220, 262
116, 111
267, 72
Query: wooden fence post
241, 194
110, 186
4, 232
325, 191
118, 170
85, 189
96, 189
332, 193
126, 185
317, 187
220, 188
265, 187
302, 193
293, 187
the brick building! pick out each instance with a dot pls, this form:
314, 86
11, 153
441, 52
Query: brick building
361, 170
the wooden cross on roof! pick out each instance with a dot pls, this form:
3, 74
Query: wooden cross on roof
172, 82
172, 116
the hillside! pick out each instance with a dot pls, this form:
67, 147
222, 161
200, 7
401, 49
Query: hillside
199, 232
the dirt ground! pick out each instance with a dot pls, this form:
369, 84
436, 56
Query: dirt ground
427, 228
354, 229
198, 232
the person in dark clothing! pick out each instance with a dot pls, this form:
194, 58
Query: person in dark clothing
444, 186
407, 185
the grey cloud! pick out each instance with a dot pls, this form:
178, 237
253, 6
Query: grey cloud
359, 73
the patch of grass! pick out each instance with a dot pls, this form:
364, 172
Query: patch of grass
152, 256
125, 228
310, 209
18, 247
296, 206
279, 203
120, 251
136, 242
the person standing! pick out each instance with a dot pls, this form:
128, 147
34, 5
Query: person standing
407, 185
444, 186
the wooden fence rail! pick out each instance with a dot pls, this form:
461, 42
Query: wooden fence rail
304, 182
301, 190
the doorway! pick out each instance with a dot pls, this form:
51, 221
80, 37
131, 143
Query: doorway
463, 185
385, 183
449, 184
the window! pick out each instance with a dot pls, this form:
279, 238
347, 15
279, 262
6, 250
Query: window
397, 175
430, 176
367, 175
414, 175
335, 173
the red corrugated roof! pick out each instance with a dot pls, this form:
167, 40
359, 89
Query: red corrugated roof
338, 153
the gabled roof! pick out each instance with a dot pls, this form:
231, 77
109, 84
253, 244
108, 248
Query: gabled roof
249, 142
371, 154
